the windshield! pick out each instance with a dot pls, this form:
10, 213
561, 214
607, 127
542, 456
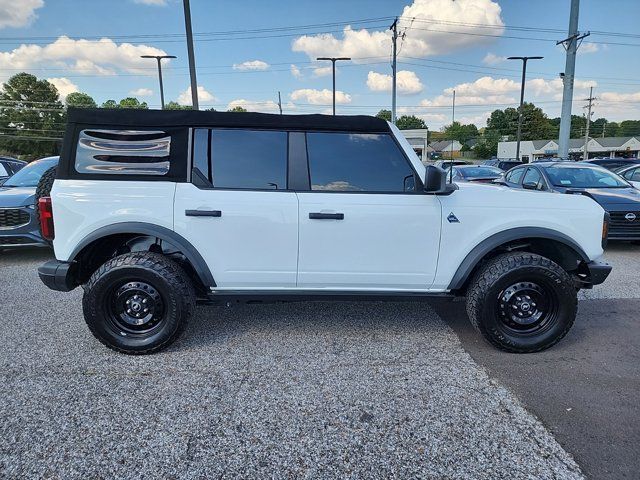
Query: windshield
584, 177
480, 172
30, 175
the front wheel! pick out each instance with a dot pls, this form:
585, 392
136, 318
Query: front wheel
138, 303
522, 302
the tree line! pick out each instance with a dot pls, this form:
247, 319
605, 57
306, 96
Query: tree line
33, 119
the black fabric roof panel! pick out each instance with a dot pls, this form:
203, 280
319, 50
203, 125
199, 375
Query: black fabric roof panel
194, 118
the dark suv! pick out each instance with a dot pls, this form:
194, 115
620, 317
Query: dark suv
502, 164
19, 225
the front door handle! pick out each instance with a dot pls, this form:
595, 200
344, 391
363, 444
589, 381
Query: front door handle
203, 213
326, 216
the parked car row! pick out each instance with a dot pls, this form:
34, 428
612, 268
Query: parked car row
19, 224
8, 167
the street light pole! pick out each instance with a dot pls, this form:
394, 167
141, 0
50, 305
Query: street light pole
333, 66
159, 60
524, 74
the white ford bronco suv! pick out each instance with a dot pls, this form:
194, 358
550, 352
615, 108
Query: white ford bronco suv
153, 211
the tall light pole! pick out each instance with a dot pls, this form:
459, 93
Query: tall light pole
571, 46
524, 74
192, 57
333, 66
159, 59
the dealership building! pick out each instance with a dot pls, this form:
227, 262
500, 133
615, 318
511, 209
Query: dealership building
626, 147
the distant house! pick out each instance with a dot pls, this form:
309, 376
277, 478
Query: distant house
628, 147
447, 148
418, 139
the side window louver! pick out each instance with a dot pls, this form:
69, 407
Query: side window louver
123, 152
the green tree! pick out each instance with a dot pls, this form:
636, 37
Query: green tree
31, 117
110, 104
384, 114
535, 123
176, 106
79, 99
487, 145
462, 133
131, 102
629, 128
407, 122
237, 108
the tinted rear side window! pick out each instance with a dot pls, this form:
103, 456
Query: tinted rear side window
346, 162
514, 176
251, 159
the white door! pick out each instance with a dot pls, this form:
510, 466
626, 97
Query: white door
352, 238
241, 218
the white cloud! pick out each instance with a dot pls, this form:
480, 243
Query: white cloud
155, 3
541, 87
295, 71
320, 97
143, 92
102, 57
251, 65
323, 71
268, 106
485, 86
588, 47
426, 18
203, 96
64, 86
18, 13
408, 82
493, 59
619, 97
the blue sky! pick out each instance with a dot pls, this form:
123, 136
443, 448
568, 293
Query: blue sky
466, 53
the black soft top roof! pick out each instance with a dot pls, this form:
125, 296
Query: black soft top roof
194, 118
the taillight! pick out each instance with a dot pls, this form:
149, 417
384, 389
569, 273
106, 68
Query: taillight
46, 218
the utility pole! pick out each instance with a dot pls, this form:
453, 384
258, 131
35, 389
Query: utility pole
524, 74
192, 58
571, 46
453, 120
394, 29
159, 59
604, 126
586, 135
279, 102
333, 65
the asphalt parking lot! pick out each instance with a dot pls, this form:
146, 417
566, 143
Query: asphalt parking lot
316, 390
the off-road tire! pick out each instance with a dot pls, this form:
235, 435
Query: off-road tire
488, 289
44, 190
153, 270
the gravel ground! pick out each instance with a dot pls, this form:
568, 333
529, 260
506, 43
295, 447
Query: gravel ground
293, 390
624, 280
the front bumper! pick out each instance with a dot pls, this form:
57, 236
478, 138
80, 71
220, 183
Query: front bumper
596, 272
21, 235
58, 275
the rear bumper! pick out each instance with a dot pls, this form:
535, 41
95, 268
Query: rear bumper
597, 272
57, 275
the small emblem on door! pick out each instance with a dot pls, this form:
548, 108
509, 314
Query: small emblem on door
630, 216
452, 218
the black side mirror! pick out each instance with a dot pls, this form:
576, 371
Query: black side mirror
530, 185
435, 181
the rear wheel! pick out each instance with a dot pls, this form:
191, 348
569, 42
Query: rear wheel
138, 303
522, 302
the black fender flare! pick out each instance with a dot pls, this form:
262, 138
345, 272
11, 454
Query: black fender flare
475, 256
163, 233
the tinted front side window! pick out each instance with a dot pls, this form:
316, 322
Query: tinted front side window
357, 163
251, 159
514, 176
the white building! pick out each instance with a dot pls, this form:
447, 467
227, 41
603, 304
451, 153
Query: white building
628, 147
418, 139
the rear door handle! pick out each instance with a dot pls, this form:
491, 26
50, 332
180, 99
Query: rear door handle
203, 213
326, 216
